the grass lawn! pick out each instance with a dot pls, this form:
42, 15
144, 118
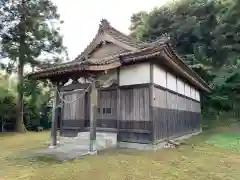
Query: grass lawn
205, 161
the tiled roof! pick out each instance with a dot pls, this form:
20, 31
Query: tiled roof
97, 64
105, 27
124, 38
142, 51
102, 61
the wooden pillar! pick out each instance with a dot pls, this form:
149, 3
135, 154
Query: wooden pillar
118, 105
118, 111
92, 112
86, 109
55, 114
151, 102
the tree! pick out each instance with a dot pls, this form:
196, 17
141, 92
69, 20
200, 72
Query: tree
137, 21
7, 101
206, 35
36, 98
28, 32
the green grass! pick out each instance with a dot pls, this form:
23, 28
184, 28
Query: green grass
230, 140
206, 161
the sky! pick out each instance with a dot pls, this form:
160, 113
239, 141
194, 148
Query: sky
82, 17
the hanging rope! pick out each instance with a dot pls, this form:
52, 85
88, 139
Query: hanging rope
79, 97
83, 93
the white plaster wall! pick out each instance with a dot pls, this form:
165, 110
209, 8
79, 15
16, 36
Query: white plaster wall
134, 74
171, 82
197, 96
192, 93
140, 74
187, 90
180, 86
159, 76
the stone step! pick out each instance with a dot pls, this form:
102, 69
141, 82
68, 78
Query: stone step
98, 134
100, 143
77, 140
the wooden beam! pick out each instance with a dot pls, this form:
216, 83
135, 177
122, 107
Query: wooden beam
86, 106
72, 87
61, 113
118, 103
92, 112
151, 101
55, 113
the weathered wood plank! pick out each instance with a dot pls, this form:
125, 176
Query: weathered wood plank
135, 104
134, 111
92, 115
179, 115
107, 108
55, 115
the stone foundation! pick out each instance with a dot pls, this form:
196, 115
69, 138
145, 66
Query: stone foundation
159, 145
104, 140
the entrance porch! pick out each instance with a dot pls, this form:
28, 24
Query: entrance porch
76, 147
74, 115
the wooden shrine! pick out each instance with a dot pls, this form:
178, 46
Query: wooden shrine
144, 92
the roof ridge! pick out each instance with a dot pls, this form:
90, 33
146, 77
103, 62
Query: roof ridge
127, 36
106, 27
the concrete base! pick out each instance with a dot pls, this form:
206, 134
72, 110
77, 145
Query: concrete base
72, 148
52, 147
75, 147
103, 140
156, 146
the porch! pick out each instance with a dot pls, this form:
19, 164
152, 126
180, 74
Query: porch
123, 110
75, 114
76, 147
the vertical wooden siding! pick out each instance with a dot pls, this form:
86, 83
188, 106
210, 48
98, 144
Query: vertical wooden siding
76, 113
73, 113
174, 115
75, 109
107, 109
135, 104
134, 123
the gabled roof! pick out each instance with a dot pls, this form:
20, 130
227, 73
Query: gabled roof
133, 51
108, 33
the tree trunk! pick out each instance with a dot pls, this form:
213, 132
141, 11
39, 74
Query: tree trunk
20, 127
3, 123
1, 119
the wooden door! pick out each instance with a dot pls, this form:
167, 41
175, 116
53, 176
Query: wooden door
107, 109
73, 110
